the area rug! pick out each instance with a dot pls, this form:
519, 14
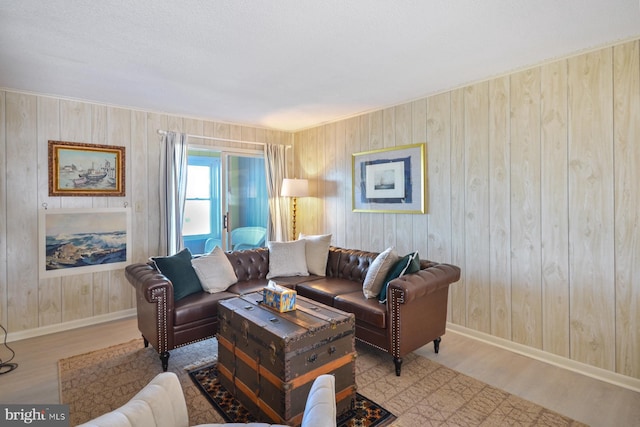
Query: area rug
427, 393
365, 412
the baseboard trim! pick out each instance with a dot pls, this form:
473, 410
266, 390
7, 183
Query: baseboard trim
552, 359
73, 324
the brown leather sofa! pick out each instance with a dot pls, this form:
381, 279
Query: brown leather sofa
414, 314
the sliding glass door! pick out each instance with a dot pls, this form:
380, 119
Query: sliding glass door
227, 203
247, 203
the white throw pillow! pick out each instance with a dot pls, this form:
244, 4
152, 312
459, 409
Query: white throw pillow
214, 271
377, 271
317, 252
287, 259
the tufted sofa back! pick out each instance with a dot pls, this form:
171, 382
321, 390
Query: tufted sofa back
250, 264
350, 264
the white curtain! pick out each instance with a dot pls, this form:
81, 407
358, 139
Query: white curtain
173, 189
275, 158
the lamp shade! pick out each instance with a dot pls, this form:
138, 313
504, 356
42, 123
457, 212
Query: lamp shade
292, 187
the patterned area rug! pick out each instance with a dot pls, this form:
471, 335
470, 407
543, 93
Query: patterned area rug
364, 414
427, 393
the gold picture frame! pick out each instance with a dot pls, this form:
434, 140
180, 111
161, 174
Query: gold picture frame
390, 180
79, 169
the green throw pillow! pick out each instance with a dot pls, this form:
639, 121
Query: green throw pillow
179, 270
408, 264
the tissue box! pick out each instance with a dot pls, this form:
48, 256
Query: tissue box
279, 298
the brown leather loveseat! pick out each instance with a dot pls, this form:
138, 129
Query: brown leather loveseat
413, 315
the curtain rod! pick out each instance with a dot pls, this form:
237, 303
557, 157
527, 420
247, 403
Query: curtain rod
213, 138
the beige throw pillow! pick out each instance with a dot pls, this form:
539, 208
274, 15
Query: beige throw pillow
287, 259
317, 252
215, 271
377, 271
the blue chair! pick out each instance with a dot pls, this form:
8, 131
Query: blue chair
211, 243
248, 237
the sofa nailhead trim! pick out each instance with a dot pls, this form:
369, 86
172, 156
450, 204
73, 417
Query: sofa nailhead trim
160, 297
371, 344
396, 300
194, 341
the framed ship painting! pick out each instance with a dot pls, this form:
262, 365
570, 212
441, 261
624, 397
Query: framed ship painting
78, 169
390, 180
78, 241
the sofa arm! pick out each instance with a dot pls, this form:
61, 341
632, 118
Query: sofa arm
417, 306
154, 304
320, 409
148, 281
426, 281
161, 402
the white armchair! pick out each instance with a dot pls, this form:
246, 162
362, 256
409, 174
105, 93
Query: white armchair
161, 403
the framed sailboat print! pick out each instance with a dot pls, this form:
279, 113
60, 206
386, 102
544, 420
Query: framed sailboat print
79, 169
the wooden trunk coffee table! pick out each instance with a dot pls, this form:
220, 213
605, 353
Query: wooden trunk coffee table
268, 360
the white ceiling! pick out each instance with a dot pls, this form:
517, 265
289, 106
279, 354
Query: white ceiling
287, 64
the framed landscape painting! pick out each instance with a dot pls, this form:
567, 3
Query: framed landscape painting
78, 169
78, 241
390, 180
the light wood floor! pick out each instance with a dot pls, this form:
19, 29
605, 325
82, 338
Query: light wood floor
590, 401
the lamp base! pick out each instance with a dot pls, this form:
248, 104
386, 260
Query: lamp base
295, 205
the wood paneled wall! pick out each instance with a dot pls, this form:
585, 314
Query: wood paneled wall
533, 190
27, 122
